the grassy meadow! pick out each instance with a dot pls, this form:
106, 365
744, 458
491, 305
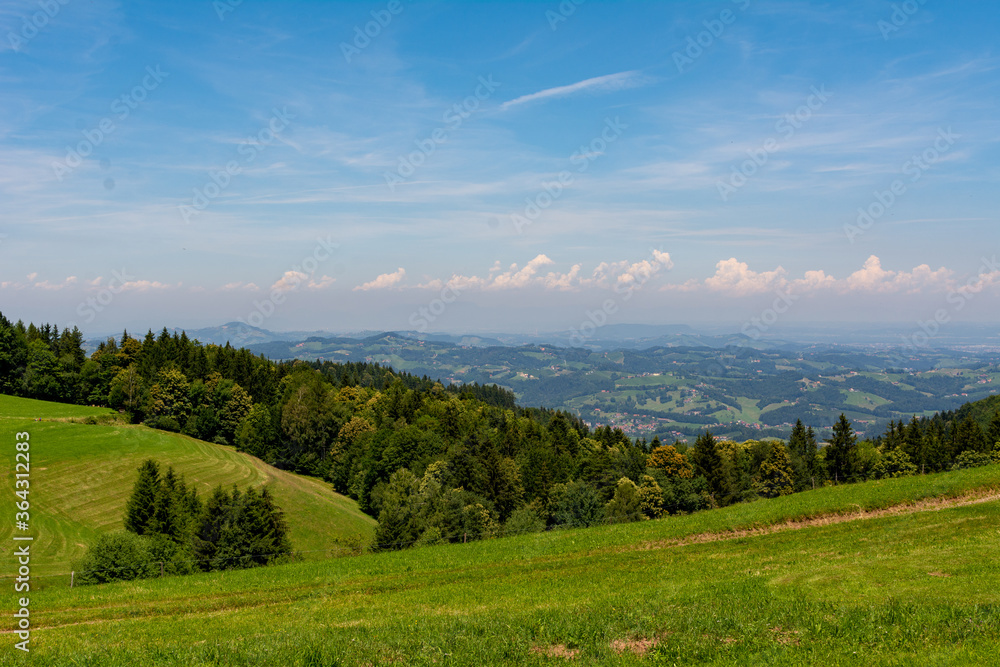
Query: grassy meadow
896, 572
903, 588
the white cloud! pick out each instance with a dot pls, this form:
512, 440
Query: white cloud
608, 83
814, 280
323, 282
46, 285
144, 285
292, 280
289, 281
642, 271
240, 285
873, 278
514, 277
384, 281
735, 278
530, 275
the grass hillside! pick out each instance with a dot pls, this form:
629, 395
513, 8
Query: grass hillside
82, 475
14, 407
896, 572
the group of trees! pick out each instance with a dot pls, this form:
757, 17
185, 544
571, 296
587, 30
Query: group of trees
609, 482
445, 463
169, 530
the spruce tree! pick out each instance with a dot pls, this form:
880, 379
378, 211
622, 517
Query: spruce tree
993, 433
840, 450
915, 445
271, 529
141, 504
170, 509
802, 451
707, 462
213, 522
968, 436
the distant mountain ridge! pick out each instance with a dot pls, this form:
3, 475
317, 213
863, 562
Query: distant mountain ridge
608, 338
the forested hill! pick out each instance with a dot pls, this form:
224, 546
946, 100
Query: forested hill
353, 424
435, 462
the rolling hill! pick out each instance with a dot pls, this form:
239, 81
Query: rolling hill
896, 572
678, 390
82, 475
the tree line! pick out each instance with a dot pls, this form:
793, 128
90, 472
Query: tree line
435, 463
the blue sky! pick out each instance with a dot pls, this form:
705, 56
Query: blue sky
502, 166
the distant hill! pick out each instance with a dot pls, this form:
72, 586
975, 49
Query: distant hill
608, 338
239, 334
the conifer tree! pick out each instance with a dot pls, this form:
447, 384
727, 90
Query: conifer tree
802, 450
707, 462
213, 522
839, 451
993, 432
914, 445
170, 508
968, 436
140, 509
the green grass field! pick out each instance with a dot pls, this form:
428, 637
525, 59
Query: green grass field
912, 585
82, 475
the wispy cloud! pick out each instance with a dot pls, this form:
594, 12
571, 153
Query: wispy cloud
604, 84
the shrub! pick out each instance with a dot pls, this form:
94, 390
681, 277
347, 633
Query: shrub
430, 537
894, 463
972, 459
163, 424
575, 505
626, 504
120, 556
521, 521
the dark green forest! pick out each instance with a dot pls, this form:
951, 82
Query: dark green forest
436, 463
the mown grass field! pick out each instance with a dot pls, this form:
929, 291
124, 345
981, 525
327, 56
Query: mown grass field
911, 585
82, 475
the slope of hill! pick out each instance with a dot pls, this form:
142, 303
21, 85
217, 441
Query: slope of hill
899, 572
82, 475
983, 411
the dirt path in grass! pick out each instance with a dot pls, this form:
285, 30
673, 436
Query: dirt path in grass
926, 505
